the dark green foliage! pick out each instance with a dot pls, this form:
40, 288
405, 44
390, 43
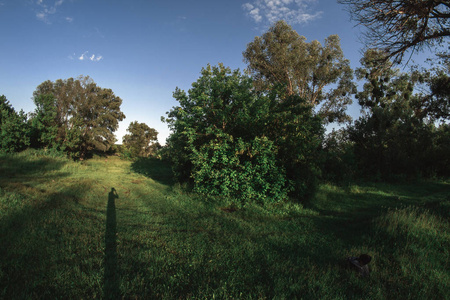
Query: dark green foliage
73, 139
45, 129
154, 168
219, 105
140, 141
231, 140
244, 170
401, 148
439, 156
14, 129
76, 116
338, 162
434, 100
217, 141
397, 134
297, 134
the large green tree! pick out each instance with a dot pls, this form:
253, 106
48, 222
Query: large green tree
14, 130
394, 135
232, 140
140, 140
396, 26
217, 140
84, 114
281, 57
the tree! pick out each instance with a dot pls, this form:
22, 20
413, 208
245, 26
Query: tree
140, 139
394, 136
231, 140
14, 131
396, 26
43, 125
433, 100
281, 57
297, 133
338, 159
217, 141
85, 114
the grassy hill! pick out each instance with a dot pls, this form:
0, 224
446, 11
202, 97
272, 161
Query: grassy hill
109, 228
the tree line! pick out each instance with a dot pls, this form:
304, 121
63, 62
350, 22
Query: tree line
72, 116
259, 136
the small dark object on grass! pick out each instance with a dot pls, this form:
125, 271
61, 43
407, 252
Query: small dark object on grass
230, 209
360, 263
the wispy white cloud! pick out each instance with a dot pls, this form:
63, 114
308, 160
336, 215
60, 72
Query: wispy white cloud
96, 58
292, 11
99, 33
69, 19
86, 57
83, 56
47, 8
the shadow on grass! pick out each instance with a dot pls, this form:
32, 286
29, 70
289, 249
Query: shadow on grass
111, 276
15, 166
31, 240
197, 249
348, 216
155, 169
19, 176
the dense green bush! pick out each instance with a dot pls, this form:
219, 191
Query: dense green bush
44, 130
14, 129
245, 170
229, 139
298, 134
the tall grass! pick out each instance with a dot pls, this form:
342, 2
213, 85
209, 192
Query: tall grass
109, 228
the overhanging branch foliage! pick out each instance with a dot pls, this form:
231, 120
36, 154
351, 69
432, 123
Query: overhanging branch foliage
398, 26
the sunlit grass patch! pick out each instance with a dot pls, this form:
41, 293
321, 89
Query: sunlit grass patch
414, 222
414, 248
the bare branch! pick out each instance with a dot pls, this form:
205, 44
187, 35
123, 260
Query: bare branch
398, 26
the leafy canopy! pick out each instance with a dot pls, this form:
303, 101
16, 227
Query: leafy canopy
231, 140
14, 129
140, 138
44, 128
81, 115
397, 133
218, 140
282, 57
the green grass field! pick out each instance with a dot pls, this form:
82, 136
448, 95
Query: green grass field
110, 228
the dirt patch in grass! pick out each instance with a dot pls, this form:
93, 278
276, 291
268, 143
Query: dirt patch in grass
228, 209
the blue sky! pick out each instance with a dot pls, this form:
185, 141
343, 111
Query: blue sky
144, 49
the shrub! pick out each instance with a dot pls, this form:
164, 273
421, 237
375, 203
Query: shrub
246, 171
231, 140
13, 128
